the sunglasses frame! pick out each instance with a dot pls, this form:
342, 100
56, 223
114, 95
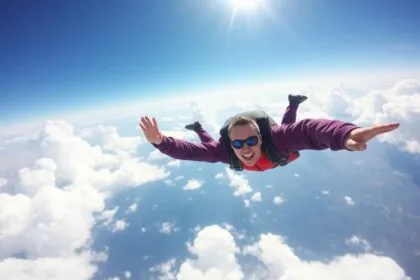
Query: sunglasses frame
245, 141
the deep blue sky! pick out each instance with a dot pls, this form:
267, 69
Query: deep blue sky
68, 55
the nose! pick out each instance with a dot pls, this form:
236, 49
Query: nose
246, 148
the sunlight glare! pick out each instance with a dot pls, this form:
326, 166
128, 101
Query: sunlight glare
246, 5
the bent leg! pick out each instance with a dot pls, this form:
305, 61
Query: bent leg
204, 136
290, 114
291, 110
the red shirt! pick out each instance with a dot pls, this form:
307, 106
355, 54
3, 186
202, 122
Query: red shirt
264, 163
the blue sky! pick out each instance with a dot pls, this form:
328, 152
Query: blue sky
60, 56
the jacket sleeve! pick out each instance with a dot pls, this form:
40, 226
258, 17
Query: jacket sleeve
312, 134
180, 149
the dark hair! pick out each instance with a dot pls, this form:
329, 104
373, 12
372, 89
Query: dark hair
242, 120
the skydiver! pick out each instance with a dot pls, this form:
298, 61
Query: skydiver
289, 116
245, 144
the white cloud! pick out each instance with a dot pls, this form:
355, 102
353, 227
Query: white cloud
169, 182
247, 203
325, 192
214, 256
111, 141
193, 184
256, 196
127, 274
156, 155
219, 176
119, 225
397, 103
57, 196
349, 200
78, 161
132, 208
108, 216
278, 200
167, 228
180, 134
356, 240
64, 268
174, 163
165, 270
240, 184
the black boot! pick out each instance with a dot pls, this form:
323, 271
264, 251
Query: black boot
195, 126
296, 99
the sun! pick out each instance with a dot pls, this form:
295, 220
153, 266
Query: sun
246, 5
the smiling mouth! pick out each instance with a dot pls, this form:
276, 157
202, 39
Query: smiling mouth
248, 156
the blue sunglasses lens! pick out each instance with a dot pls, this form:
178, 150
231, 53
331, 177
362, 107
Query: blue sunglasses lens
250, 141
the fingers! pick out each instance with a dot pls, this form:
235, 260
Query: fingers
384, 128
356, 146
147, 123
143, 128
154, 122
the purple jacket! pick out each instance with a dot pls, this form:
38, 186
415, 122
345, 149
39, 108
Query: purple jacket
307, 134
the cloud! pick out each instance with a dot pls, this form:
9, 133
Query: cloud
278, 200
165, 270
214, 255
111, 141
132, 208
349, 200
397, 103
356, 240
193, 185
247, 203
174, 163
238, 182
156, 155
63, 268
167, 228
57, 195
119, 225
219, 176
78, 161
256, 196
107, 216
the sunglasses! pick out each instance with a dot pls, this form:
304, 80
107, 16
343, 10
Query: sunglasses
239, 143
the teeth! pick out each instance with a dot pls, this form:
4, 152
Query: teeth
248, 155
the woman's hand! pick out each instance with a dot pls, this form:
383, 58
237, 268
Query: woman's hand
357, 139
151, 130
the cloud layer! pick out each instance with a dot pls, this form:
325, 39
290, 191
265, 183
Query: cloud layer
54, 186
48, 208
215, 256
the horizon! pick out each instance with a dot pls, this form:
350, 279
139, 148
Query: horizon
374, 80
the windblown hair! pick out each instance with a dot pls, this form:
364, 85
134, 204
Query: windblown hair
242, 120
